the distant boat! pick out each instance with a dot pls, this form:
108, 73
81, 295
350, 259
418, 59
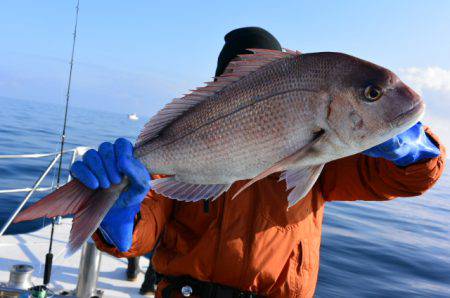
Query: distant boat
133, 117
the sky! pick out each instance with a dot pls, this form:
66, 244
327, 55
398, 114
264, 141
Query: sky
135, 56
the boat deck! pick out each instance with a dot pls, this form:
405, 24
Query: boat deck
31, 249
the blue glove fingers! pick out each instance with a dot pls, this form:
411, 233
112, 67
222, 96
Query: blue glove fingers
118, 224
82, 173
386, 150
137, 173
134, 170
409, 147
421, 147
123, 149
139, 178
106, 152
430, 150
94, 162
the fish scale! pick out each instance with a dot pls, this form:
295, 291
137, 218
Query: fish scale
266, 114
244, 122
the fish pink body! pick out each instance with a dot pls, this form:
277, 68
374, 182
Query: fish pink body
270, 112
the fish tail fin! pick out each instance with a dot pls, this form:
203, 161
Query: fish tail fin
89, 206
89, 217
66, 200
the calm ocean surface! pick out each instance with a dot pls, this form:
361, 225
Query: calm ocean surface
389, 249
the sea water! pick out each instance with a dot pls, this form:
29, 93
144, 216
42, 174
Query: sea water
399, 248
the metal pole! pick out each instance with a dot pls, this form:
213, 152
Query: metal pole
25, 200
27, 189
89, 269
34, 155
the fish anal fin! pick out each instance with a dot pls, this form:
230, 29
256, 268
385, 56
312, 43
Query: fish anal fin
301, 181
287, 162
181, 191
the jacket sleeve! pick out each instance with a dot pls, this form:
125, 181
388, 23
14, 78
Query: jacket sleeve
154, 213
360, 177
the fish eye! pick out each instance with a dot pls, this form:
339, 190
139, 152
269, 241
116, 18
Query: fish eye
372, 93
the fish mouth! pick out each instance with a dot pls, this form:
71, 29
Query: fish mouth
411, 115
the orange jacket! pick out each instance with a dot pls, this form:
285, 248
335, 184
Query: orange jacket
252, 242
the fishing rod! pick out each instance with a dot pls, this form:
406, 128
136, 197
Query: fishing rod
49, 255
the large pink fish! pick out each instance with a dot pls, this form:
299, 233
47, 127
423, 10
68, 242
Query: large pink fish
270, 112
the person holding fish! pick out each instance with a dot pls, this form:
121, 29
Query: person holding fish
232, 179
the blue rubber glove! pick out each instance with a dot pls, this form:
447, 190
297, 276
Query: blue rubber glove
407, 148
107, 166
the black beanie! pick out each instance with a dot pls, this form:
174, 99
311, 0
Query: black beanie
238, 40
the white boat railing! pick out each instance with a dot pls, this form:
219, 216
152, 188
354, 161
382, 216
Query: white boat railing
76, 152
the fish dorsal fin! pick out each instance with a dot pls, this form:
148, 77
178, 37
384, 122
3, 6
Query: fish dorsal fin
244, 65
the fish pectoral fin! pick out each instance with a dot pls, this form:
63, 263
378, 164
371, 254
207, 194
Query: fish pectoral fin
300, 181
182, 191
290, 160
